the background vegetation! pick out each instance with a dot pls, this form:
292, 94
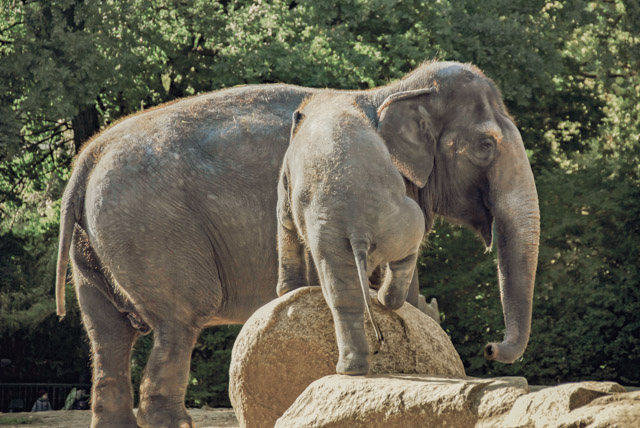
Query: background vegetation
568, 72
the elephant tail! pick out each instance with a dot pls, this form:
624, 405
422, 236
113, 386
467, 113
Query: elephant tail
70, 214
360, 248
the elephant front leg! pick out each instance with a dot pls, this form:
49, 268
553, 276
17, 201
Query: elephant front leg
292, 266
397, 282
413, 297
166, 376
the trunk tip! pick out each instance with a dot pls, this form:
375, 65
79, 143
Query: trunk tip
490, 351
502, 352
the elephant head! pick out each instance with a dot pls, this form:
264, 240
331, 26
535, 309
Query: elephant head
456, 143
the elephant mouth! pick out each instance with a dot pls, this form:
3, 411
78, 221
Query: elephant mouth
485, 227
480, 220
485, 230
478, 217
476, 213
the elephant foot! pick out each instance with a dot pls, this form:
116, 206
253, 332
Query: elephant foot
284, 287
390, 299
430, 309
157, 412
353, 365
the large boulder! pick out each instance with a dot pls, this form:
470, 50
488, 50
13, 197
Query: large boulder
290, 342
620, 410
578, 404
402, 401
427, 401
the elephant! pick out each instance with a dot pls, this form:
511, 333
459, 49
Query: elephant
341, 200
169, 217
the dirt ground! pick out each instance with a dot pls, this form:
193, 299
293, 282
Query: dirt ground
203, 418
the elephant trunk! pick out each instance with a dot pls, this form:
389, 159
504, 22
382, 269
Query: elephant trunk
517, 218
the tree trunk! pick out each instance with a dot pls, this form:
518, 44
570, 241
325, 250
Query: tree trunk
84, 125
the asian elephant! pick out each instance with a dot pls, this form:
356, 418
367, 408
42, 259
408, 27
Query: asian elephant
169, 217
341, 199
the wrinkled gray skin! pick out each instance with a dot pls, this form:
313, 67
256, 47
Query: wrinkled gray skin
170, 218
342, 200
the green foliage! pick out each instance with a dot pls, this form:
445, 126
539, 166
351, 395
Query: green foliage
30, 334
209, 380
568, 73
21, 420
586, 311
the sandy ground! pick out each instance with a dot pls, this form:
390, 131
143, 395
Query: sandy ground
203, 418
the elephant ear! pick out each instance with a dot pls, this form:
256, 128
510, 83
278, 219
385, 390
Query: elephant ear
406, 126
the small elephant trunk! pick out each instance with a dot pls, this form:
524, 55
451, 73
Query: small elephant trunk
360, 250
517, 218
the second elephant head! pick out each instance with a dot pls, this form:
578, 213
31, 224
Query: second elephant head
463, 154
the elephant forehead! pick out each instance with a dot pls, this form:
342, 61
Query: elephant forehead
490, 128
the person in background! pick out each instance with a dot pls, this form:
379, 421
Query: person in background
71, 398
81, 402
42, 404
16, 405
76, 400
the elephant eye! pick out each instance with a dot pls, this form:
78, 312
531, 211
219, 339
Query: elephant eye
485, 148
486, 145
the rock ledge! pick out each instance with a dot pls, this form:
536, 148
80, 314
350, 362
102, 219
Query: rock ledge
290, 342
421, 401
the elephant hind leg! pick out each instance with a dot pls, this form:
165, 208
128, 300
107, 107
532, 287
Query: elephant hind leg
84, 262
112, 337
166, 377
343, 294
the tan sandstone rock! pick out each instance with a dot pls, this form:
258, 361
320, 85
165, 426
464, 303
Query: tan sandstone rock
290, 342
401, 401
547, 407
620, 410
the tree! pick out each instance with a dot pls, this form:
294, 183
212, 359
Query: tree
568, 73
